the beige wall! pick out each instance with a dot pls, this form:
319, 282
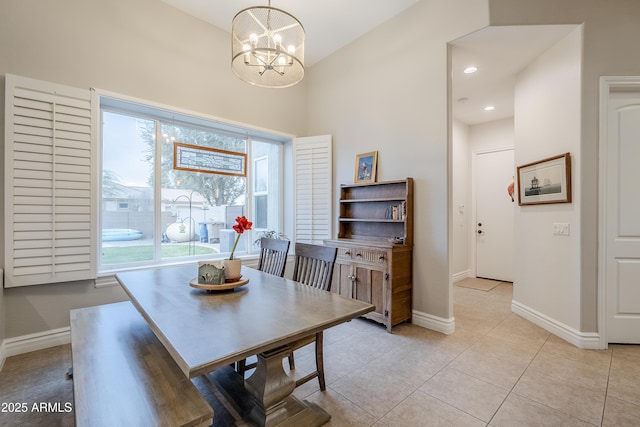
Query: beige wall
611, 33
398, 106
140, 48
492, 135
547, 123
461, 196
387, 91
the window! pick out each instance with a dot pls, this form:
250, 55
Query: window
173, 185
59, 229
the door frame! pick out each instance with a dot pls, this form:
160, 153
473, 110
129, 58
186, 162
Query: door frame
608, 84
474, 220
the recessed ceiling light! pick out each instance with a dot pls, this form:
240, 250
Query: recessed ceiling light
471, 69
489, 108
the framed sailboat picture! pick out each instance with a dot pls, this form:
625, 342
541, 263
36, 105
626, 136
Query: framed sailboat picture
545, 181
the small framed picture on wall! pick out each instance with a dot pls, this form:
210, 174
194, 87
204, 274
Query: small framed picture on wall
366, 164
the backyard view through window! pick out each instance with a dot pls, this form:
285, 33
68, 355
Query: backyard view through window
154, 212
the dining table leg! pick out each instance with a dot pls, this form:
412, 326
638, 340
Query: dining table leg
271, 389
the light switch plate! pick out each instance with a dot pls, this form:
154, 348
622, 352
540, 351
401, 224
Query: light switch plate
561, 228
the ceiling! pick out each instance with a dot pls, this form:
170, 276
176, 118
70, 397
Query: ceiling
498, 52
328, 24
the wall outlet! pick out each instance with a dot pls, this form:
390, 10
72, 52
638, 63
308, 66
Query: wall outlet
561, 228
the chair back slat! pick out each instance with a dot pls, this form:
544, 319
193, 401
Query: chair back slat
314, 265
273, 256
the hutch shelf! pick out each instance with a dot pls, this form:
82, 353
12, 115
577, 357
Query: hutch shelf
375, 248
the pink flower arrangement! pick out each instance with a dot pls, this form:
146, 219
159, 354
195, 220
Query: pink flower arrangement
242, 224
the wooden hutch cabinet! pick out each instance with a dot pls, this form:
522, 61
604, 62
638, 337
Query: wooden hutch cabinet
375, 248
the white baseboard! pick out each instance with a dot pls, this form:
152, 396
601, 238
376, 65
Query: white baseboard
587, 340
461, 275
37, 341
438, 324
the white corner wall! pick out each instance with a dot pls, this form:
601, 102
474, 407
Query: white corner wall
547, 123
461, 201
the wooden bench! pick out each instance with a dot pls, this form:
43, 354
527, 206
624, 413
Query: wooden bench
123, 376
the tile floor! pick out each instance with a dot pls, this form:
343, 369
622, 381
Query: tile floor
496, 370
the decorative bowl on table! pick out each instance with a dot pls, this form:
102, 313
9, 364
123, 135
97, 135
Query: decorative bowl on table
211, 277
223, 287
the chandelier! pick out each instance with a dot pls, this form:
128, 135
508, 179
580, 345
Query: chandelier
267, 47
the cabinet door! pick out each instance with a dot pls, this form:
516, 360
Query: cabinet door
370, 286
341, 281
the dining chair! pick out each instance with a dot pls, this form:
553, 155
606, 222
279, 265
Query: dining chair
273, 256
313, 267
273, 260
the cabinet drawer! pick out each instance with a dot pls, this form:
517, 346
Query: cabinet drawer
362, 255
344, 254
369, 256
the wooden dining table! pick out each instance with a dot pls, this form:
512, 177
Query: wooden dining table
204, 331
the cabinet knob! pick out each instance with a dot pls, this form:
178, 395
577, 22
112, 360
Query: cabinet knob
352, 278
358, 254
381, 257
347, 252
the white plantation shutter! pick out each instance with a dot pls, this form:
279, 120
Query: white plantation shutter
313, 183
49, 176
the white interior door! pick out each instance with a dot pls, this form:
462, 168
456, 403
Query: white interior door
494, 223
622, 213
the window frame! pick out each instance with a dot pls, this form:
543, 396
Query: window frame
255, 193
119, 104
